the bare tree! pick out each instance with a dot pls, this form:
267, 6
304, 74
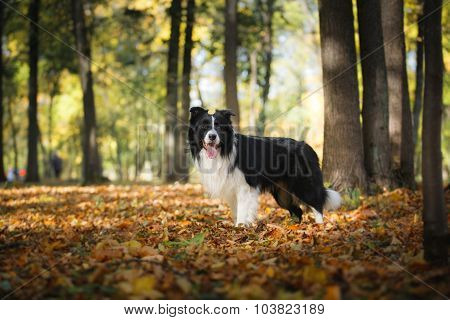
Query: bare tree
33, 129
171, 148
230, 70
92, 169
186, 88
343, 163
2, 166
400, 122
434, 212
375, 112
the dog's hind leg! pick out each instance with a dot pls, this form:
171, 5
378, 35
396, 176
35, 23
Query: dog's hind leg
296, 211
318, 216
286, 200
318, 213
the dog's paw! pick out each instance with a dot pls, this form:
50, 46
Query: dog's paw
243, 223
319, 218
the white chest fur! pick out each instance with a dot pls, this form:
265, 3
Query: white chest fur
217, 178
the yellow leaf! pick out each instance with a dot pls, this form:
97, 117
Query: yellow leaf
270, 272
333, 293
143, 285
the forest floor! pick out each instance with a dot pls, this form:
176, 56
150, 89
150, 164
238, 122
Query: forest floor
173, 242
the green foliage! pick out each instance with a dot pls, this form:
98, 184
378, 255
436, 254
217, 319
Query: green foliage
351, 199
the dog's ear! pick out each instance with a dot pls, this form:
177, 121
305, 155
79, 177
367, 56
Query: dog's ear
195, 111
226, 113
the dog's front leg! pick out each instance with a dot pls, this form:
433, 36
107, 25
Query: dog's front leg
232, 203
247, 205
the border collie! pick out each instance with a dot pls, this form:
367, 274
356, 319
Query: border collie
237, 168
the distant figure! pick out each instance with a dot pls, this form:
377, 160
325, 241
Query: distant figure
12, 174
56, 163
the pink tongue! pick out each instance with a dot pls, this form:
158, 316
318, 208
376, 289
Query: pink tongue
211, 152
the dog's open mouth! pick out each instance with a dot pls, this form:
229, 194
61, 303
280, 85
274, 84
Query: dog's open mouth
212, 149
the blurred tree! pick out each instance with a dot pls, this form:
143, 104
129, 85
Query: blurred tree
33, 128
418, 93
186, 88
400, 122
267, 11
92, 169
172, 155
375, 111
434, 213
2, 166
230, 69
343, 163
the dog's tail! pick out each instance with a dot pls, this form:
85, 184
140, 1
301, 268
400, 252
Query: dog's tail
332, 200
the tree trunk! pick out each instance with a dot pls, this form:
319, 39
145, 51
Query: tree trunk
14, 140
418, 95
267, 43
186, 90
92, 169
375, 111
434, 213
253, 91
400, 122
343, 164
171, 148
33, 129
230, 70
2, 166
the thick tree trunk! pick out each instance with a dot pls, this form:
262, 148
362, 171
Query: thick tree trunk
418, 95
92, 169
33, 130
343, 163
171, 148
434, 212
400, 122
186, 87
2, 166
230, 71
267, 43
375, 112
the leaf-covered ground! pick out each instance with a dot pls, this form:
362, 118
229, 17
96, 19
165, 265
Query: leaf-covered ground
173, 242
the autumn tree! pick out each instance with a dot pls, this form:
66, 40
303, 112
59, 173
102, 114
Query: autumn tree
375, 111
2, 166
267, 11
418, 93
92, 169
186, 88
171, 148
434, 212
230, 70
343, 163
400, 122
33, 128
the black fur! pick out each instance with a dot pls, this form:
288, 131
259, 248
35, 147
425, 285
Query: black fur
286, 168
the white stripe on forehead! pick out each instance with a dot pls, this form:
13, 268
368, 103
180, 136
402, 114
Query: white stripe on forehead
212, 121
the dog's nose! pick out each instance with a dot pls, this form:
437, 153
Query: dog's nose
212, 136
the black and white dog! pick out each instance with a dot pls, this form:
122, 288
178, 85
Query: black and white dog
237, 168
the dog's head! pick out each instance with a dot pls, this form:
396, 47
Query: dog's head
214, 133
